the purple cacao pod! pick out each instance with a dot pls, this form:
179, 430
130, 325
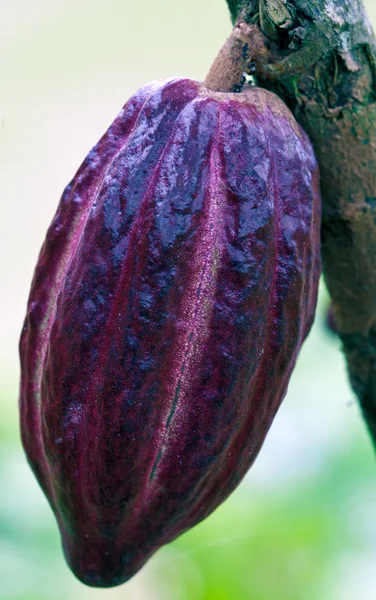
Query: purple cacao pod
175, 287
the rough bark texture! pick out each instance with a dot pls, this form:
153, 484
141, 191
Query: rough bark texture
320, 57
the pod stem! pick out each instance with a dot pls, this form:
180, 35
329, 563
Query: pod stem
320, 58
235, 58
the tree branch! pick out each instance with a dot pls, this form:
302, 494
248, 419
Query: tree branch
320, 57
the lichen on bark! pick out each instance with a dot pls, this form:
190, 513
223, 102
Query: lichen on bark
319, 56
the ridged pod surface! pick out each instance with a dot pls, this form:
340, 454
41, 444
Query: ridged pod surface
175, 287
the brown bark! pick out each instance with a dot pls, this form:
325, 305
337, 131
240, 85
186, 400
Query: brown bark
320, 57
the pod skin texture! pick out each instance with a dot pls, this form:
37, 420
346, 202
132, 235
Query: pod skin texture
175, 287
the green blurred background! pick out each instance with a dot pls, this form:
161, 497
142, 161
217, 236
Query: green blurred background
302, 525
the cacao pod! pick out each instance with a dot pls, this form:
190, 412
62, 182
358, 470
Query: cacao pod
175, 287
